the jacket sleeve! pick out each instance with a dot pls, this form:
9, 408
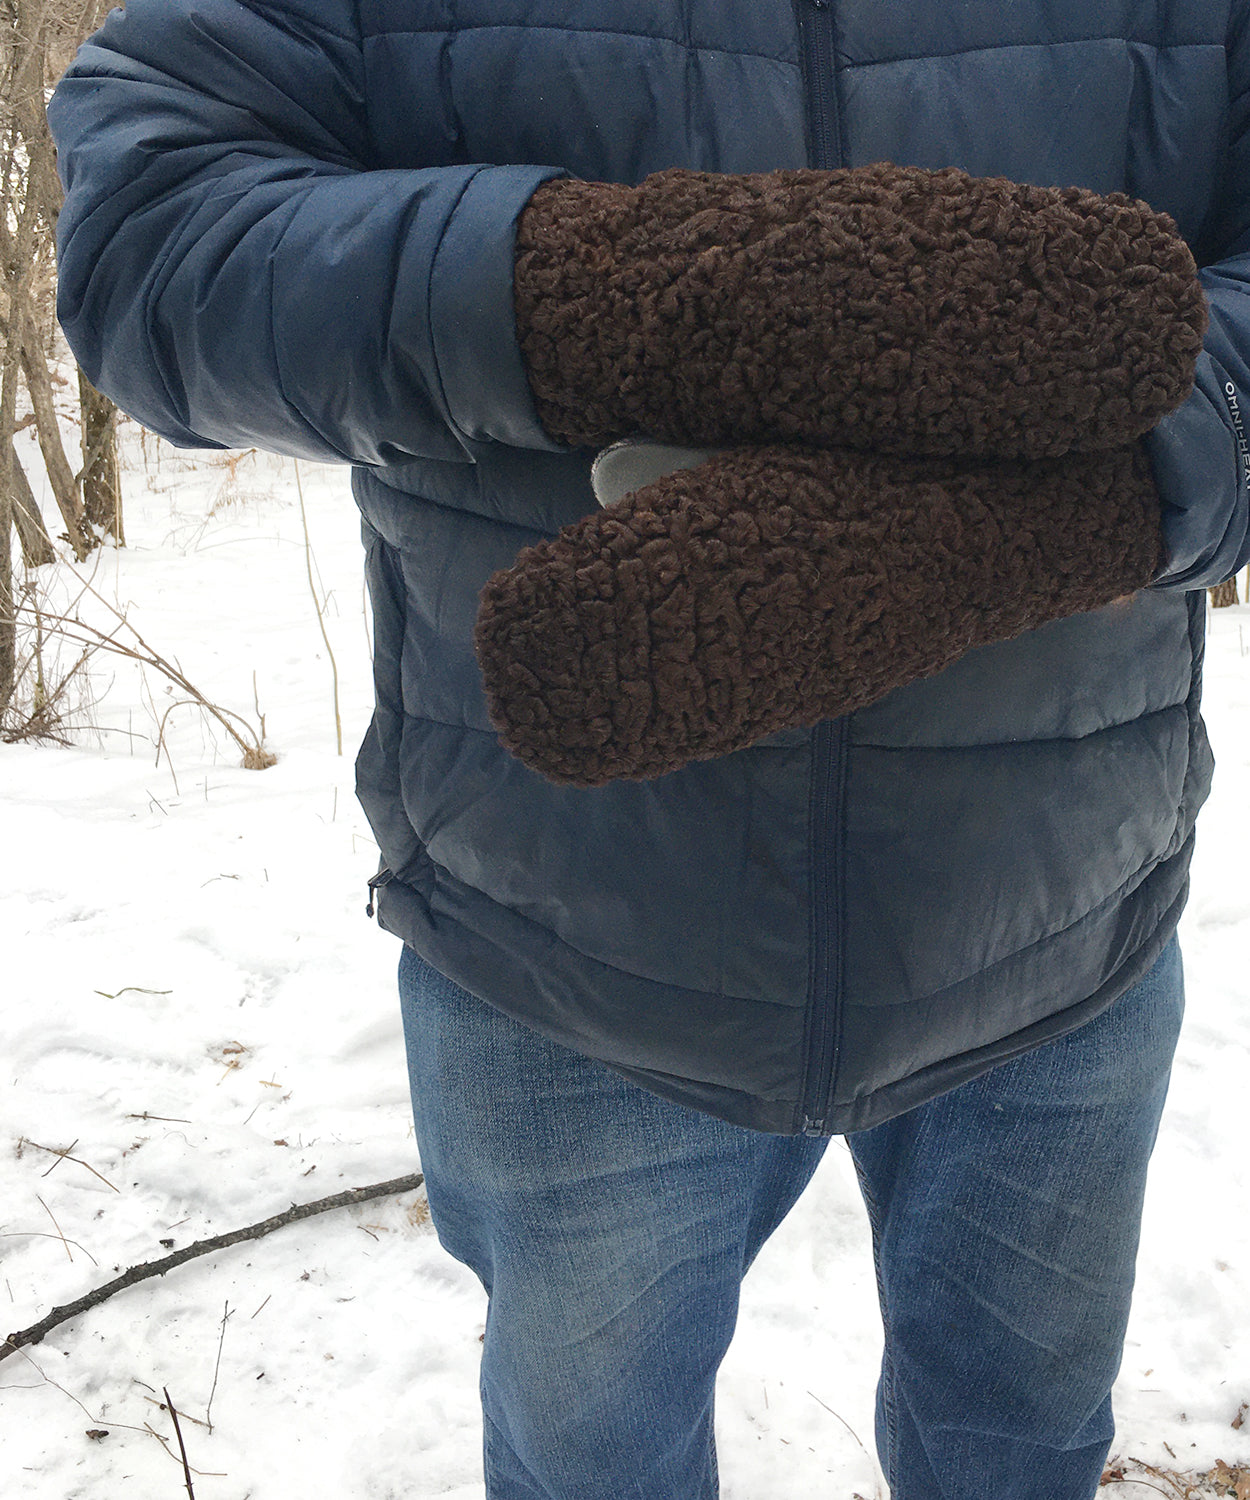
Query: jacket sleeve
1201, 453
236, 270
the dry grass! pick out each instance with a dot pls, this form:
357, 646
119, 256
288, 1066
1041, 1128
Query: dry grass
1222, 1481
52, 694
57, 646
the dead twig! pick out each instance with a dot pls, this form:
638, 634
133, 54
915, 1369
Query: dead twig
844, 1422
56, 1386
148, 1269
48, 1380
1177, 1482
59, 1231
1134, 1479
65, 1156
41, 704
69, 627
208, 1410
182, 1447
164, 1442
321, 621
186, 1416
1178, 1486
25, 1140
39, 1234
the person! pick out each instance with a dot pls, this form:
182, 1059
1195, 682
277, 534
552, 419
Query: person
638, 1002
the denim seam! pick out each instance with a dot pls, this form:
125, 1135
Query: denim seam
490, 1425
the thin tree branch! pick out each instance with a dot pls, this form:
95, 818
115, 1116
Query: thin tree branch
148, 1269
182, 1447
18, 277
68, 627
37, 548
208, 1410
65, 1156
60, 475
312, 589
42, 1234
185, 1415
57, 1227
21, 333
164, 1442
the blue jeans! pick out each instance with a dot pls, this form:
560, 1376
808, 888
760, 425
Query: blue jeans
612, 1229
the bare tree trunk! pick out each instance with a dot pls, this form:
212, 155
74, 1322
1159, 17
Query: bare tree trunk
101, 478
8, 620
60, 475
8, 378
37, 548
8, 611
90, 502
28, 178
1224, 594
23, 65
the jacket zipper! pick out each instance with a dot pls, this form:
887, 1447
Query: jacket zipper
383, 877
829, 740
824, 115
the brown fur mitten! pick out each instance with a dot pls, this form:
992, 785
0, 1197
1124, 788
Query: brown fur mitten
884, 307
779, 586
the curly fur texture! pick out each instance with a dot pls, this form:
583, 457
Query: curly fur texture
885, 307
778, 586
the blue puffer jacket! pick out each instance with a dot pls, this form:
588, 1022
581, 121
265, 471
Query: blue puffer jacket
290, 223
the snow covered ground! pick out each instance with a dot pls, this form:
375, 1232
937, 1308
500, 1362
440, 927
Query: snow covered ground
197, 1007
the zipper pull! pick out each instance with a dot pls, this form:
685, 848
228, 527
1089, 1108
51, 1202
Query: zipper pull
383, 877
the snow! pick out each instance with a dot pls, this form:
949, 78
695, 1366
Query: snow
198, 1008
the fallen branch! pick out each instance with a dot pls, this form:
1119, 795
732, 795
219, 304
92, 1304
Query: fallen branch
148, 1269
